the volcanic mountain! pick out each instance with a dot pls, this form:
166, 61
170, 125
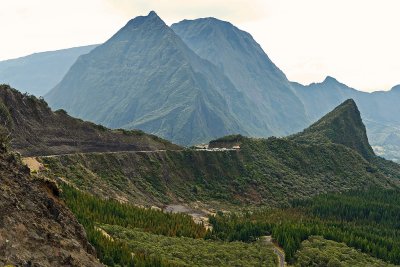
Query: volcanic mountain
250, 69
146, 77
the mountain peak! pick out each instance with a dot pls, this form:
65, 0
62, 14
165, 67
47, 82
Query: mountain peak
395, 88
330, 79
342, 126
148, 25
244, 62
152, 18
348, 104
209, 20
152, 14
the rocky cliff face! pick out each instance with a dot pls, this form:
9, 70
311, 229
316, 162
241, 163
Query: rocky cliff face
36, 229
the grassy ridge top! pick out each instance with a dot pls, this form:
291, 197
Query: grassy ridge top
264, 172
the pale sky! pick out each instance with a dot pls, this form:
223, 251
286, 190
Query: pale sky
355, 41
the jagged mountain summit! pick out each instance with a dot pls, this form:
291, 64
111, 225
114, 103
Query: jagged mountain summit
146, 77
38, 73
341, 126
250, 69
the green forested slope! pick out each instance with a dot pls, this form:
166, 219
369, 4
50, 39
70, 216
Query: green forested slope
317, 251
126, 235
366, 220
321, 182
264, 171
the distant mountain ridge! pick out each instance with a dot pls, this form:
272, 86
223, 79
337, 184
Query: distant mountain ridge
40, 72
146, 77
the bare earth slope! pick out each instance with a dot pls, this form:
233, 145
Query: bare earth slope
36, 229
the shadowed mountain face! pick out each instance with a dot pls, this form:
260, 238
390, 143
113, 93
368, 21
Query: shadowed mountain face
38, 73
146, 77
36, 130
242, 59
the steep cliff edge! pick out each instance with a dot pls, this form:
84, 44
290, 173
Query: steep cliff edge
36, 229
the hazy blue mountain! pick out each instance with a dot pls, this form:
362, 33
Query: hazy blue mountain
379, 111
40, 72
146, 77
242, 59
319, 98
